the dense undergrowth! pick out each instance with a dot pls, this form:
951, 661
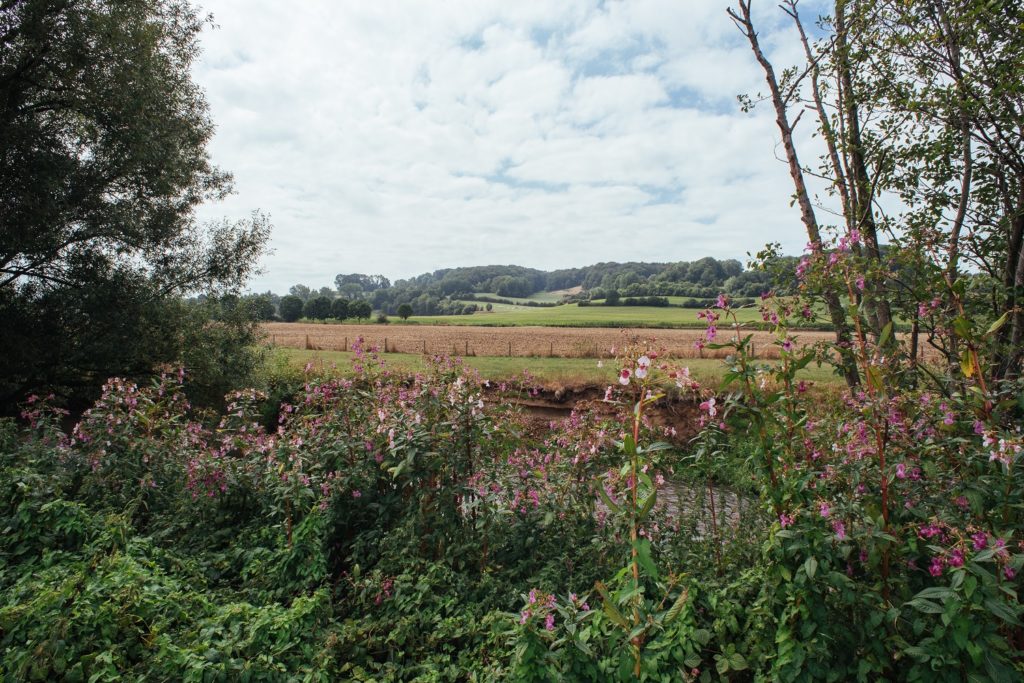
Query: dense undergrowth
386, 527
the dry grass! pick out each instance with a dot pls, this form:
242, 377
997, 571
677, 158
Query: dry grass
560, 342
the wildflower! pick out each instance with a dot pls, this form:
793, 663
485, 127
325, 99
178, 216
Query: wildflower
901, 471
860, 283
956, 558
980, 540
709, 407
1009, 572
608, 394
624, 376
523, 616
823, 509
935, 568
722, 301
785, 520
787, 345
642, 365
840, 529
549, 622
356, 493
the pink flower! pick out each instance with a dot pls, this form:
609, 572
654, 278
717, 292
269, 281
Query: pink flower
642, 364
624, 376
1009, 572
840, 529
935, 568
823, 509
980, 540
901, 471
785, 520
722, 301
956, 558
608, 394
709, 407
549, 622
860, 283
356, 493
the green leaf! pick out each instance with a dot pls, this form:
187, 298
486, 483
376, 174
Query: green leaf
609, 606
962, 327
1002, 610
643, 556
648, 504
926, 606
994, 327
886, 336
677, 607
608, 501
810, 567
737, 662
935, 592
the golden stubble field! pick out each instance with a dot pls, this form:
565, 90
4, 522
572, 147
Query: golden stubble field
565, 342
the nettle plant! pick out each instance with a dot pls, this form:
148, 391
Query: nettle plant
897, 502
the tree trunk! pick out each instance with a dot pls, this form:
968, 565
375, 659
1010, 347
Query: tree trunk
807, 216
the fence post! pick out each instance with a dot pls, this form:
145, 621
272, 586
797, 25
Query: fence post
510, 349
346, 345
385, 344
467, 348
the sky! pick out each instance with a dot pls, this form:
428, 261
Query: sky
403, 137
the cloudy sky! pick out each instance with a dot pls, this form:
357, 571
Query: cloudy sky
402, 137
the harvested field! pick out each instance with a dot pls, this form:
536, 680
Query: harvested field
563, 342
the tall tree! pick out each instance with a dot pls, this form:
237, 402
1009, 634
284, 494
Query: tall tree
103, 161
781, 101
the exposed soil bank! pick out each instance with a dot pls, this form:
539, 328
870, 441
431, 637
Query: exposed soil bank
547, 404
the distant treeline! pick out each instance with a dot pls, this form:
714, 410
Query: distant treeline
445, 291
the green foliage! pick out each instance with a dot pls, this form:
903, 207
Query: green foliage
360, 310
97, 232
339, 309
291, 308
318, 308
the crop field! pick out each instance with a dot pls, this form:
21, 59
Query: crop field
465, 340
573, 315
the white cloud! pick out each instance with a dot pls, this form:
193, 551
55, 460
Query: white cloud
401, 137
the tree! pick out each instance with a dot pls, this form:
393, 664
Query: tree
405, 310
103, 161
290, 308
259, 306
360, 310
317, 308
782, 98
301, 291
612, 298
339, 309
